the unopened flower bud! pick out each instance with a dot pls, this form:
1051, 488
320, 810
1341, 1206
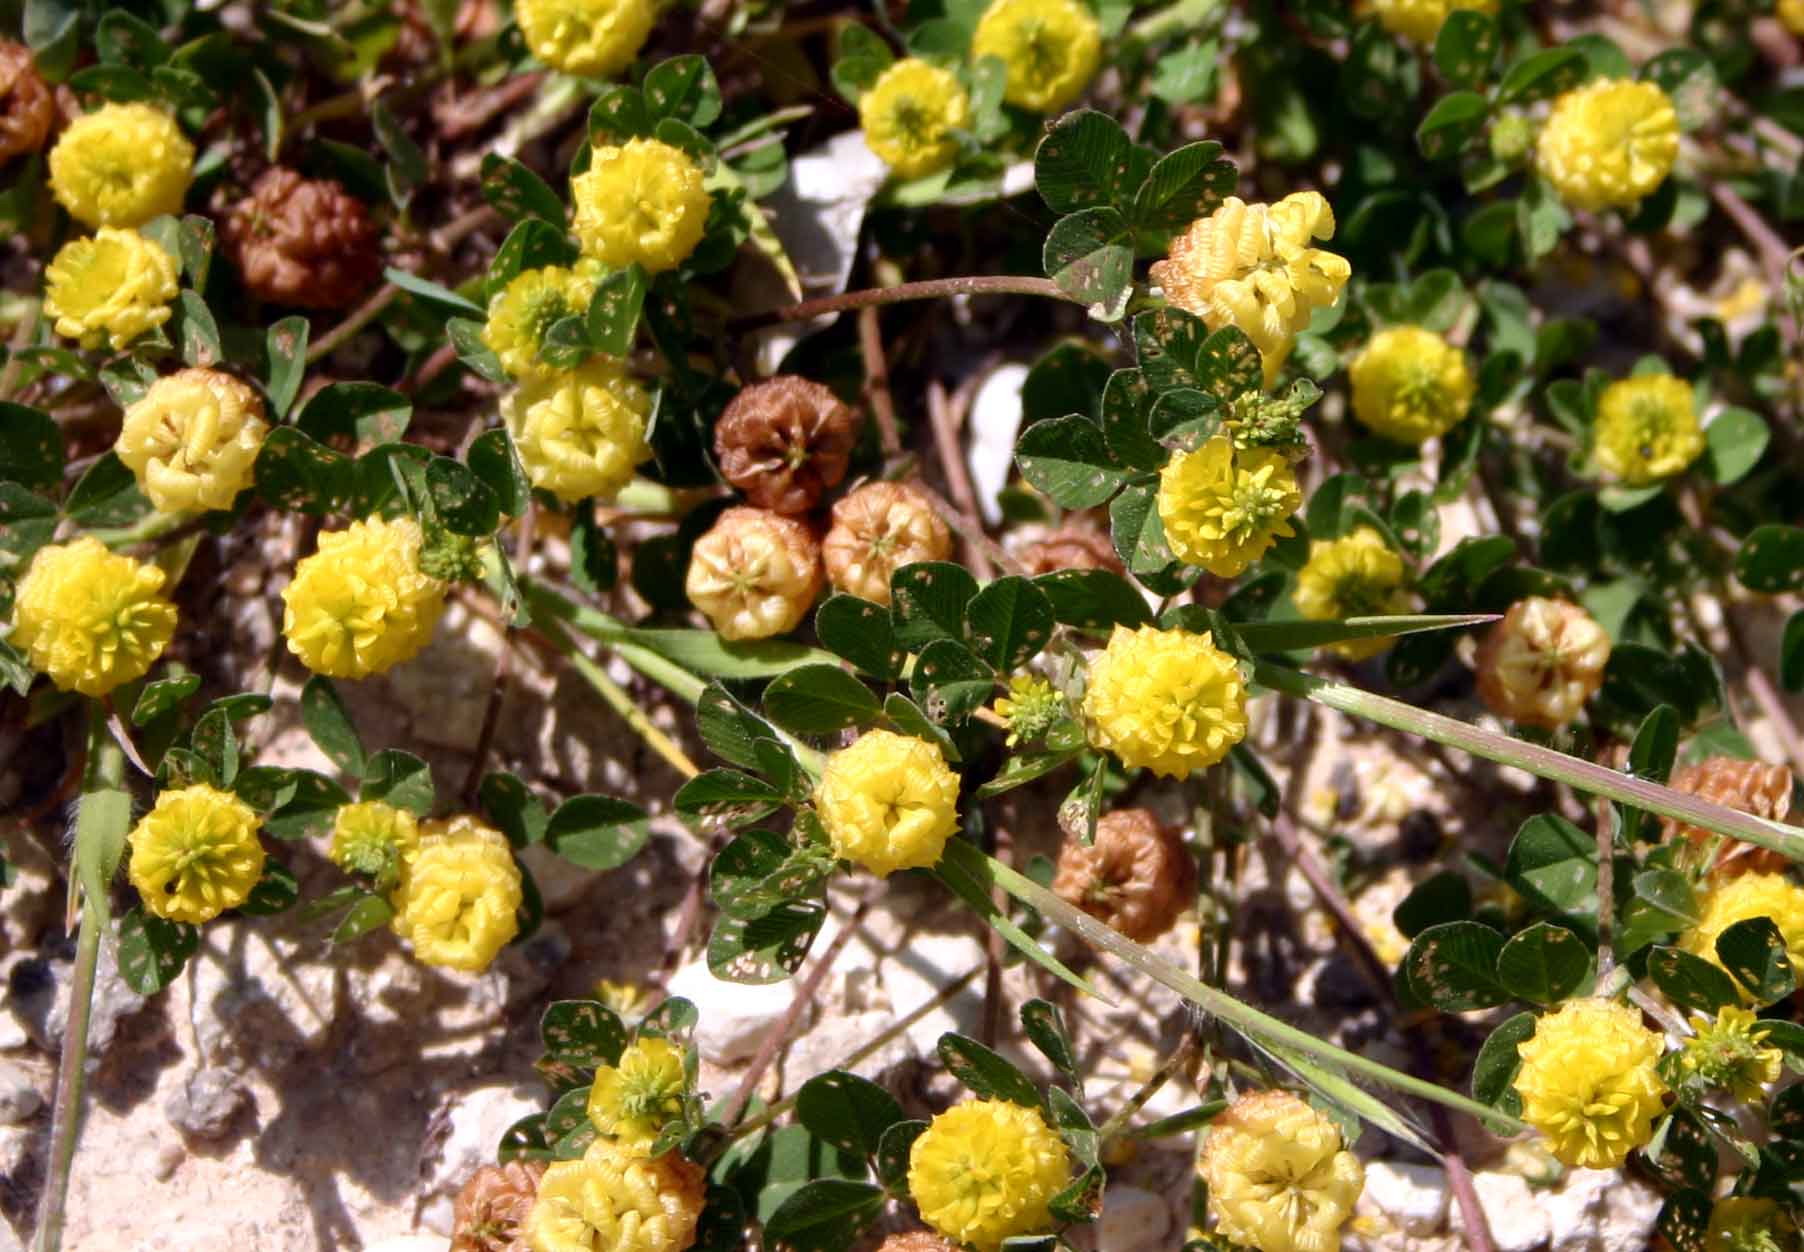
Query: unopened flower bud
1512, 135
878, 529
784, 442
755, 573
1542, 662
1136, 877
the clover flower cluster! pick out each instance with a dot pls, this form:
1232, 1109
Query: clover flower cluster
889, 802
985, 1171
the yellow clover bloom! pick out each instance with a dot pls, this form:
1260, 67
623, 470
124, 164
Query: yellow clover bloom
373, 838
1050, 49
987, 1170
1252, 266
643, 201
1166, 700
361, 604
192, 440
1279, 1178
635, 1099
1609, 143
110, 288
1647, 429
1357, 575
1588, 1082
908, 116
580, 432
1729, 1053
1731, 900
195, 854
1420, 20
521, 313
459, 895
1748, 1224
888, 802
616, 1200
1791, 16
90, 619
1223, 509
121, 165
594, 38
1410, 385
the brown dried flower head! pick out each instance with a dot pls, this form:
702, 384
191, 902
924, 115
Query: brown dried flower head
1542, 662
915, 1241
1069, 547
26, 107
877, 529
784, 442
304, 241
490, 1213
1746, 786
755, 573
1137, 877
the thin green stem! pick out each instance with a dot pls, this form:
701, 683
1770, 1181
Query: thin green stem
1261, 1027
621, 702
1598, 780
99, 828
930, 289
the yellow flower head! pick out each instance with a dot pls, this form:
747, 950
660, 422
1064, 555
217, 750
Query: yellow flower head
1222, 508
373, 838
1608, 143
1420, 20
1357, 575
521, 313
110, 288
1729, 900
888, 802
581, 431
192, 440
1167, 700
459, 895
1791, 16
121, 165
625, 998
1252, 266
1279, 1178
594, 38
908, 116
360, 604
987, 1170
1647, 429
91, 619
1410, 385
195, 854
1050, 47
1729, 1053
634, 1100
1749, 1224
1588, 1082
644, 202
1031, 708
616, 1200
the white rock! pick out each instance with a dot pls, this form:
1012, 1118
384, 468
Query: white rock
735, 1017
1518, 1218
1600, 1210
1132, 1220
462, 1137
20, 1098
407, 1243
995, 419
920, 971
1413, 1197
